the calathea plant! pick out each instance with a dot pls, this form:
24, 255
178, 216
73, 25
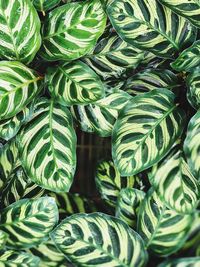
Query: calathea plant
125, 70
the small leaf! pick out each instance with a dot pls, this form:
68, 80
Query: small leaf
45, 5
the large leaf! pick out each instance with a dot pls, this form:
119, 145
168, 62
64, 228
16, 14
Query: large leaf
188, 59
19, 186
3, 239
128, 205
8, 160
45, 5
28, 222
148, 25
109, 182
72, 30
70, 203
182, 262
189, 9
112, 56
11, 258
150, 79
100, 117
163, 230
74, 83
10, 127
99, 240
192, 145
18, 86
47, 146
193, 92
19, 30
175, 184
145, 131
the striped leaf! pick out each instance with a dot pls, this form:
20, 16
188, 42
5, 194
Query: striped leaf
145, 131
47, 146
99, 240
109, 182
192, 145
11, 258
128, 205
175, 184
70, 203
10, 127
74, 83
163, 230
189, 9
28, 222
100, 117
150, 26
8, 160
45, 5
112, 56
18, 86
189, 59
19, 30
193, 92
3, 239
48, 254
19, 186
150, 79
72, 30
182, 262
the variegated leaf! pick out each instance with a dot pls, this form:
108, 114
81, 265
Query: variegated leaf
3, 239
182, 262
45, 5
193, 92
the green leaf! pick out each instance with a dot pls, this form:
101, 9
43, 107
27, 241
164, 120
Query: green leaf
19, 30
45, 5
29, 221
112, 56
8, 160
18, 86
79, 25
100, 116
3, 239
189, 59
193, 92
189, 9
150, 79
70, 203
192, 145
47, 146
99, 240
10, 127
163, 230
109, 182
182, 262
175, 184
145, 131
150, 26
74, 83
19, 186
128, 205
11, 258
48, 254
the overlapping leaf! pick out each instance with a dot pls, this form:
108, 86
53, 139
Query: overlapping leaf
48, 146
163, 230
45, 5
193, 92
182, 262
151, 26
100, 240
74, 83
145, 131
189, 9
3, 239
100, 116
18, 86
19, 30
72, 30
28, 222
175, 184
192, 145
